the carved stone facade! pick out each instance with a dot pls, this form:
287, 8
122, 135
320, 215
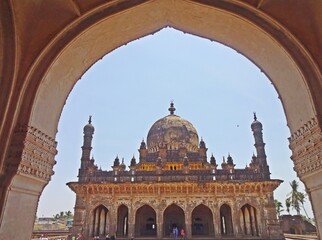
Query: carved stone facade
306, 146
30, 166
173, 186
36, 156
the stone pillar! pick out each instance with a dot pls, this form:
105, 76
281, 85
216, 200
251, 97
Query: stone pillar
31, 160
306, 146
113, 223
274, 230
216, 216
188, 223
79, 225
159, 221
235, 219
131, 222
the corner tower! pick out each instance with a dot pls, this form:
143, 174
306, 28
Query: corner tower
260, 159
87, 147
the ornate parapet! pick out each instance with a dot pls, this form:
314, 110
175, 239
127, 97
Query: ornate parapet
32, 153
306, 146
219, 189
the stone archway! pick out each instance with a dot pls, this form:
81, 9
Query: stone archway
36, 90
202, 221
248, 220
226, 221
100, 221
173, 217
122, 228
145, 222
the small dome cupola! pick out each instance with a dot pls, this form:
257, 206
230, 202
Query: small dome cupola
256, 125
143, 145
89, 128
212, 160
202, 144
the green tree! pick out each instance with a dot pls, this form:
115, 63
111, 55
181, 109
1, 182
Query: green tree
295, 197
287, 205
279, 207
68, 214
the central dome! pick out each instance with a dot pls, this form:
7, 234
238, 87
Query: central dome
172, 132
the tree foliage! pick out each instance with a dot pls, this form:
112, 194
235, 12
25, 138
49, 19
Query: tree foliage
295, 198
279, 207
63, 215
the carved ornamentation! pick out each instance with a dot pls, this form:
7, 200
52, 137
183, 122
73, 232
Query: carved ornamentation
32, 153
306, 146
159, 189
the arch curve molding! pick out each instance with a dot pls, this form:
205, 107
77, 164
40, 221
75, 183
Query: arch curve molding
245, 29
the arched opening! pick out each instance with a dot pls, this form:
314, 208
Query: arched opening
173, 220
122, 221
145, 222
202, 221
43, 98
226, 221
100, 221
248, 220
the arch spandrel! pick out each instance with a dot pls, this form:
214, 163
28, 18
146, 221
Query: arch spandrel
105, 35
136, 207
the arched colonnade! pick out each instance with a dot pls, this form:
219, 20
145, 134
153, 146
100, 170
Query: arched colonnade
38, 73
150, 222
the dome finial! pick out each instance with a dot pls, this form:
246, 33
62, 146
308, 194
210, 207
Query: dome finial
90, 119
172, 108
255, 118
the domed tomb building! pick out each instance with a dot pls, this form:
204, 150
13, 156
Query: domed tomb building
174, 185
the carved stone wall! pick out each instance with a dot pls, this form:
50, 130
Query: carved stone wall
212, 195
32, 153
31, 160
306, 146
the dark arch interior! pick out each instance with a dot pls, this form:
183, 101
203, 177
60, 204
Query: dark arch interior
145, 221
226, 220
202, 221
100, 221
122, 221
173, 217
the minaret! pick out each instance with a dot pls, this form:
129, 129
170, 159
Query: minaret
257, 128
87, 144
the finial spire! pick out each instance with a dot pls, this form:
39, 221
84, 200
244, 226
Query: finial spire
90, 119
172, 108
255, 118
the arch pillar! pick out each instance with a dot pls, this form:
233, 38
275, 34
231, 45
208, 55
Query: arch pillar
131, 217
272, 229
216, 216
79, 218
159, 220
306, 146
188, 223
113, 221
31, 160
235, 219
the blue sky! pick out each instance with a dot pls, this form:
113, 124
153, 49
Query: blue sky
213, 87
